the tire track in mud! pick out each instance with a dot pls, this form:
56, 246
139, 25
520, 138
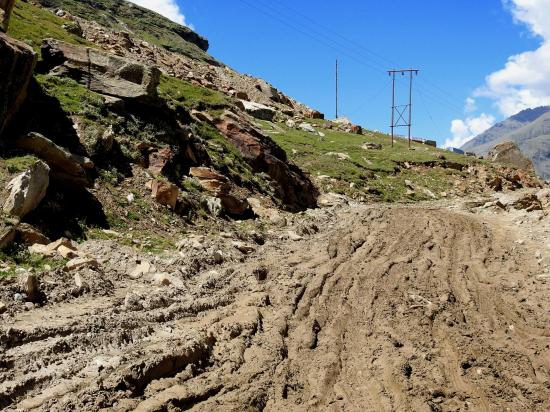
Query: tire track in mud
385, 309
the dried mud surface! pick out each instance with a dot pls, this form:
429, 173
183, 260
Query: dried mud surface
384, 308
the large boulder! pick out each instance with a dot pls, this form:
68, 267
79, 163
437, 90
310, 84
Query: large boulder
165, 193
65, 166
27, 190
210, 180
264, 155
508, 153
102, 72
17, 62
219, 186
257, 110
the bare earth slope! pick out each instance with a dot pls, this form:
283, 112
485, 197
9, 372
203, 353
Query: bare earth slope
383, 308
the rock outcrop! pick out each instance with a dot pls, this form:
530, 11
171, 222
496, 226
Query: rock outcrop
220, 187
257, 110
27, 190
17, 62
165, 193
508, 153
264, 155
65, 166
102, 72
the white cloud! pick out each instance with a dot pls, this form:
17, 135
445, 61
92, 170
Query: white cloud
470, 105
465, 130
523, 82
167, 8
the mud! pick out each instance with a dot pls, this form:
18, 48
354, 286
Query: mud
375, 308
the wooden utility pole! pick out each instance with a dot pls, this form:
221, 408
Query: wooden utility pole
400, 110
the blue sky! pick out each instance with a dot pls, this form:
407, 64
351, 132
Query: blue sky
456, 44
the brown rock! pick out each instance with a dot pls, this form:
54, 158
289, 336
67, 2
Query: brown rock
210, 180
233, 205
528, 202
29, 235
29, 286
165, 193
264, 155
356, 129
241, 95
508, 153
314, 114
158, 160
81, 262
66, 253
54, 246
17, 62
496, 183
41, 249
65, 167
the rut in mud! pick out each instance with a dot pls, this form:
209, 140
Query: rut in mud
383, 309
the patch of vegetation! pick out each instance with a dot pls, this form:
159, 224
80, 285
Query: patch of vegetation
74, 98
182, 93
153, 244
32, 24
346, 167
19, 164
125, 16
18, 256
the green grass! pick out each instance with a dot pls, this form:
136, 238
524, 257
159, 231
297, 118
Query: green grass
181, 93
19, 164
32, 24
368, 170
74, 98
18, 256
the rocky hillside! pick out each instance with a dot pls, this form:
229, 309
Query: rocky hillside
529, 129
115, 118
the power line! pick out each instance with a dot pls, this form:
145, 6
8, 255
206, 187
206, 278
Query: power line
362, 47
437, 129
342, 49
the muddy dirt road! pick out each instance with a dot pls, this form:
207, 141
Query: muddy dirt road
384, 308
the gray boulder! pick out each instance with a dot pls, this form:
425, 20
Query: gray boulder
65, 166
27, 190
257, 110
102, 72
307, 127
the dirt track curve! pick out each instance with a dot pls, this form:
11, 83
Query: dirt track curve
403, 309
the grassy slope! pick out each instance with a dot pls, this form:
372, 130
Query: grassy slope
122, 15
368, 170
32, 24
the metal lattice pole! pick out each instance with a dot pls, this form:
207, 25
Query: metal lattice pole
400, 121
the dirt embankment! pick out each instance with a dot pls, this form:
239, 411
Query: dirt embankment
382, 309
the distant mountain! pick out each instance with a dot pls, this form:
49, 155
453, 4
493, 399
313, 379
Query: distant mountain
529, 129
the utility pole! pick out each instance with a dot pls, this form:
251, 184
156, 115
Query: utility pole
337, 88
400, 110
